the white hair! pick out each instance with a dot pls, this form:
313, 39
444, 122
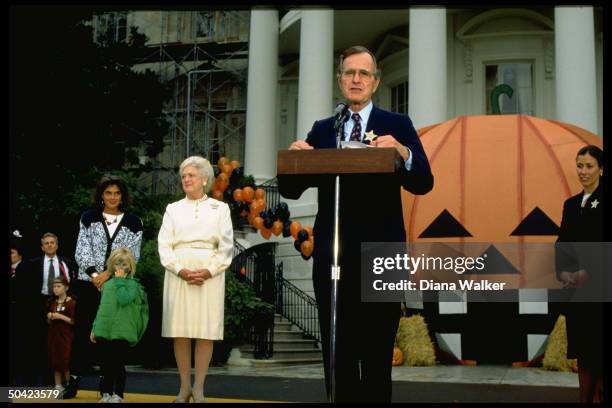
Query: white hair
204, 169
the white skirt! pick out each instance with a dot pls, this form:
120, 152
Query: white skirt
193, 311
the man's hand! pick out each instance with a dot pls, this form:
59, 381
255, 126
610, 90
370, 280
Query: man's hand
389, 141
300, 145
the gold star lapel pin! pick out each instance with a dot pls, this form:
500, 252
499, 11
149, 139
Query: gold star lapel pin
369, 137
594, 203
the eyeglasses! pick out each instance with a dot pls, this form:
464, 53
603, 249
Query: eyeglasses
363, 73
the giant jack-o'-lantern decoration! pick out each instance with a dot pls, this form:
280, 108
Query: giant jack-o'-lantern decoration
498, 179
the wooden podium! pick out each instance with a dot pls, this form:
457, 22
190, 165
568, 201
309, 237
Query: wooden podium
335, 162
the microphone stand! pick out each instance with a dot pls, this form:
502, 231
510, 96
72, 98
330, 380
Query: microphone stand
335, 268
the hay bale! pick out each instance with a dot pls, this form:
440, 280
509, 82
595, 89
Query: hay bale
555, 356
414, 341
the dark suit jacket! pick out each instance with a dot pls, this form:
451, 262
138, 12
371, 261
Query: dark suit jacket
584, 321
370, 205
31, 281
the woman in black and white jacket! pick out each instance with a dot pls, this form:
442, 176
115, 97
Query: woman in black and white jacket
103, 228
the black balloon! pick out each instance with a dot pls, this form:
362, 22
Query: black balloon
302, 236
236, 206
297, 245
282, 211
228, 195
216, 170
305, 257
245, 206
236, 175
268, 221
287, 229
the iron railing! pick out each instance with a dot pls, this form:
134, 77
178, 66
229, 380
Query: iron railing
297, 306
256, 265
272, 194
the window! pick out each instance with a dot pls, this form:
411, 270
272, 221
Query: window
509, 88
111, 27
204, 24
399, 98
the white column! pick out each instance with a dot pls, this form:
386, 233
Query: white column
427, 99
315, 89
260, 144
316, 82
575, 79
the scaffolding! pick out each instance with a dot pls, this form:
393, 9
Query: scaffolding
203, 56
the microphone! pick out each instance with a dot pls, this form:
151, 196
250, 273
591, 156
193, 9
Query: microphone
341, 115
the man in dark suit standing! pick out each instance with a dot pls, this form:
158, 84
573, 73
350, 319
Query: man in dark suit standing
35, 286
370, 211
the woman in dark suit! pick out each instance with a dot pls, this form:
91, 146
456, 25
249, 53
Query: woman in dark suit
583, 222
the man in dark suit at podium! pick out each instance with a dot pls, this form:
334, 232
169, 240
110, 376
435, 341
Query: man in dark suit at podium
370, 211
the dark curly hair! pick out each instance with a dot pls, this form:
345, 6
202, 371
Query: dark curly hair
110, 180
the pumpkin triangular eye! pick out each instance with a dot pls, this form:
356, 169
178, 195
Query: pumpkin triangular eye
445, 225
536, 223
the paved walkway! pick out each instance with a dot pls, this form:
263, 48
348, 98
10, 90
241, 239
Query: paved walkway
485, 374
305, 384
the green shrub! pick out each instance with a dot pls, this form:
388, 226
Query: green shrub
242, 308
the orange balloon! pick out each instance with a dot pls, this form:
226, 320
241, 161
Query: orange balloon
255, 207
309, 230
258, 222
266, 233
250, 218
222, 160
260, 193
217, 195
247, 194
306, 248
222, 181
277, 228
262, 203
234, 164
223, 178
237, 194
294, 228
227, 169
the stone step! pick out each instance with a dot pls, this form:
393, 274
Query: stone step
285, 361
288, 335
300, 353
285, 326
285, 345
295, 344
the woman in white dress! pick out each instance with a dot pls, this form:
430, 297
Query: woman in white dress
195, 246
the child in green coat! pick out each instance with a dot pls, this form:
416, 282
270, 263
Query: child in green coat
121, 320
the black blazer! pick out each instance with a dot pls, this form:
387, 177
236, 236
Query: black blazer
579, 224
370, 206
31, 281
